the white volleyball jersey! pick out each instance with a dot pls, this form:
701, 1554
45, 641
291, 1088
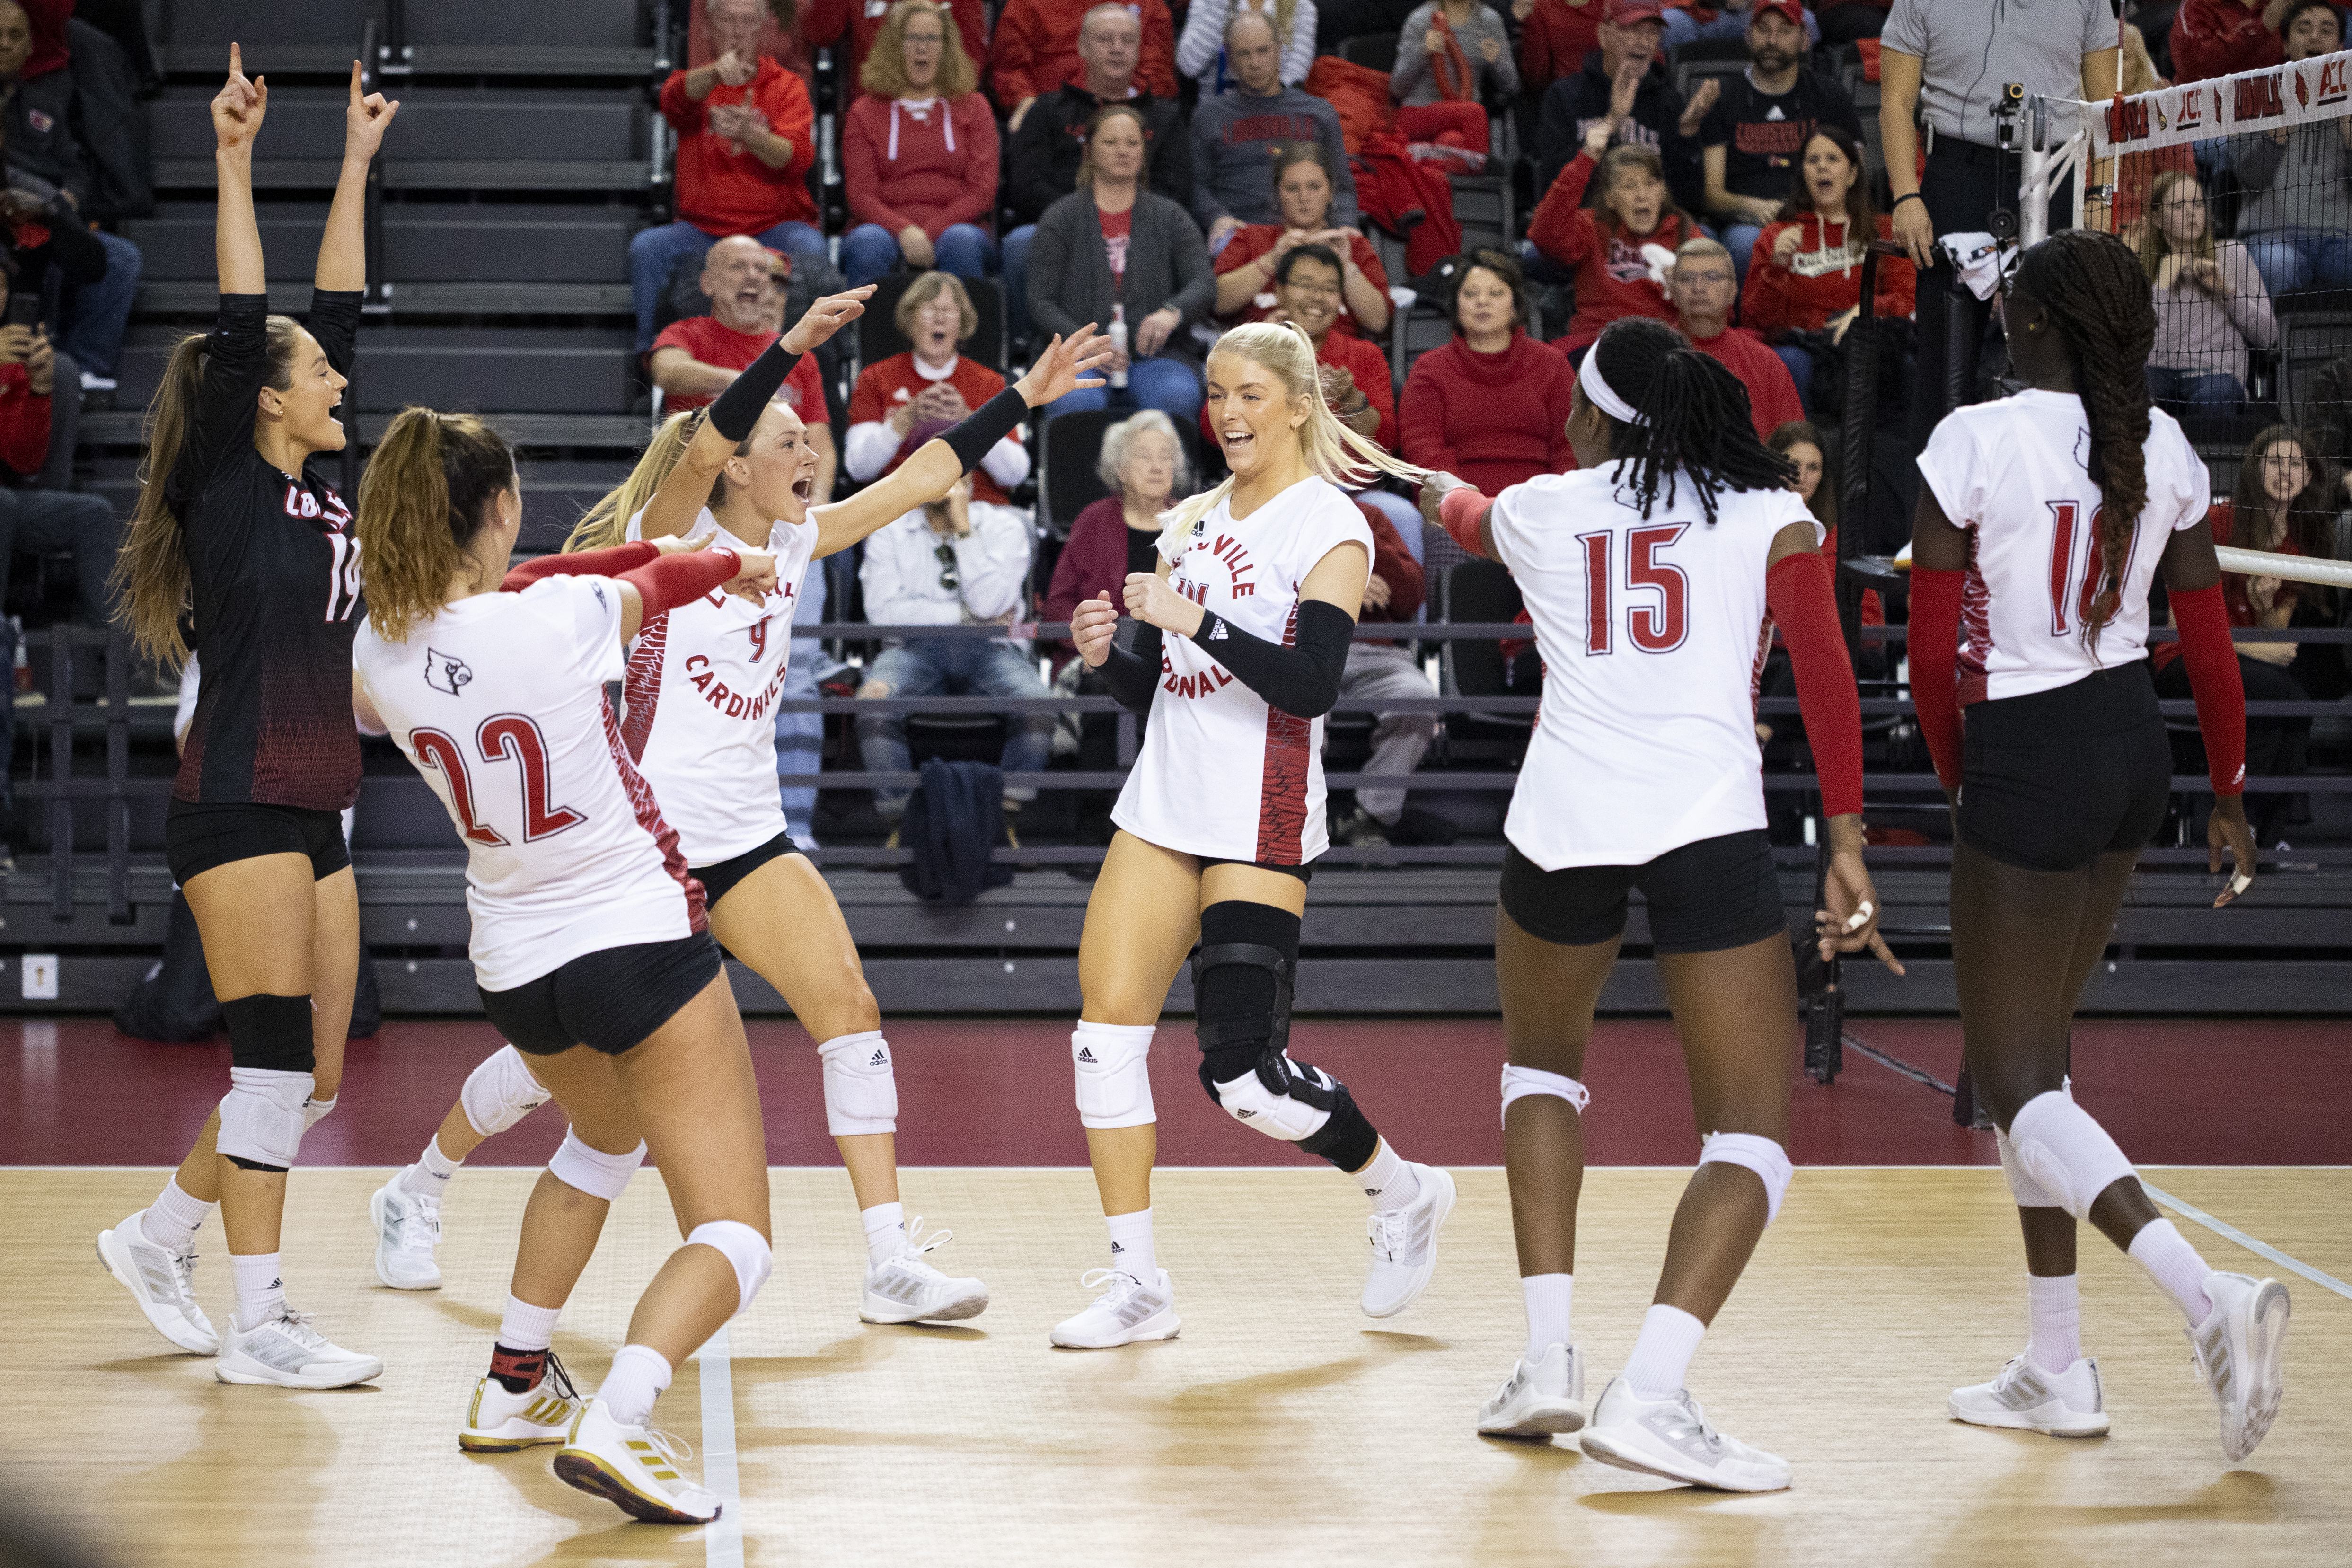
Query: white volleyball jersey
498, 700
2012, 474
701, 697
1221, 773
1645, 738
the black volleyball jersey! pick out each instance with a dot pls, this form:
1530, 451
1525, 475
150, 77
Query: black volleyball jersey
274, 573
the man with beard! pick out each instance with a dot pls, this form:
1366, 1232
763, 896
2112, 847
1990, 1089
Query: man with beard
1755, 136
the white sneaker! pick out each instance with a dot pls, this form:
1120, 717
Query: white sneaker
498, 1422
1404, 1246
2027, 1399
407, 1229
287, 1352
904, 1288
633, 1468
2237, 1348
1127, 1310
1539, 1400
1671, 1437
161, 1282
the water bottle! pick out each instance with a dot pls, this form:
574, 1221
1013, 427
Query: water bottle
1119, 342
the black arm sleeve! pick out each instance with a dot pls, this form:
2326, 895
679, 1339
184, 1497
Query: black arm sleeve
973, 436
739, 408
1303, 680
1134, 677
237, 366
335, 322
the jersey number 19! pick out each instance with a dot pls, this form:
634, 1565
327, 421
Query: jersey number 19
503, 737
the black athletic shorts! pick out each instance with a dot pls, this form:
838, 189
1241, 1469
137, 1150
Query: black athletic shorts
721, 879
612, 999
2053, 780
1707, 897
197, 838
1304, 873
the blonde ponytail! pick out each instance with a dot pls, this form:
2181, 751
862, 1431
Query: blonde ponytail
426, 494
607, 522
1331, 450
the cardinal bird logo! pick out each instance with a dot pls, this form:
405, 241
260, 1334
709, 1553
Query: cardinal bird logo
443, 673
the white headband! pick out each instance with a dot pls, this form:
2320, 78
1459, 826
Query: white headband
1600, 394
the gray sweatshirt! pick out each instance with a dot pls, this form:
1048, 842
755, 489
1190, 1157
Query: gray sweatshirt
1413, 81
1234, 138
2299, 185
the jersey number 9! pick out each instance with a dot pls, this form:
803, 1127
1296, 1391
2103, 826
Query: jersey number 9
1653, 627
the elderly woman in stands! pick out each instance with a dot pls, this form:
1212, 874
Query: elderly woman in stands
919, 153
1493, 403
1143, 465
903, 401
1130, 260
1246, 267
2211, 308
1622, 246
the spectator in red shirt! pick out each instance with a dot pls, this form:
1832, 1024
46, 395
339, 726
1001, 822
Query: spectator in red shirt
697, 357
1493, 403
1554, 38
1143, 464
782, 35
1800, 282
1036, 50
825, 22
1705, 285
900, 401
2221, 38
1620, 246
40, 520
919, 153
743, 157
1245, 267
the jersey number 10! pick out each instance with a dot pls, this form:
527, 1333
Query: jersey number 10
503, 737
2073, 554
1657, 628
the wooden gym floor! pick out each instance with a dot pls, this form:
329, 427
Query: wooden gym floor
1283, 1426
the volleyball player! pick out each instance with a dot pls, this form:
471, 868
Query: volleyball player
2043, 523
236, 526
1648, 572
1220, 821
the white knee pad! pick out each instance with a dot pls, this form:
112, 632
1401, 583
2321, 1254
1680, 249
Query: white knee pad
262, 1115
1310, 1097
744, 1247
315, 1110
1761, 1155
1113, 1074
2028, 1192
2067, 1154
592, 1170
861, 1094
1518, 1082
500, 1092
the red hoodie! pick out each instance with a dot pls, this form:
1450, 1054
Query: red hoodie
1036, 48
925, 182
1612, 278
721, 188
2221, 38
1556, 37
1820, 281
1496, 420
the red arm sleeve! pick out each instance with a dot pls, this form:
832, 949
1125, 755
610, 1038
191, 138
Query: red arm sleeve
1935, 653
609, 563
670, 580
1561, 229
1805, 607
1463, 513
2215, 680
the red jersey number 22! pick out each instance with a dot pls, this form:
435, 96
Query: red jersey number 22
505, 737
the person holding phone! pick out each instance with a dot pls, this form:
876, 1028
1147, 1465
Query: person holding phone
40, 513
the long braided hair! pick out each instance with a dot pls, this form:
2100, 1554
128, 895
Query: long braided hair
2098, 297
1696, 421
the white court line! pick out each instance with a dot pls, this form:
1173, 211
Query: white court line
2261, 1249
722, 1537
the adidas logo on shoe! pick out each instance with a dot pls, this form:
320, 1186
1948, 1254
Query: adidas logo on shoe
1117, 1249
881, 1059
1085, 1054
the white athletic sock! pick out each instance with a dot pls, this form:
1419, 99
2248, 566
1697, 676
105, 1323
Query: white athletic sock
1549, 1300
260, 1289
886, 1232
1131, 1251
526, 1327
171, 1219
2174, 1265
429, 1177
1390, 1181
638, 1376
1663, 1354
2053, 1311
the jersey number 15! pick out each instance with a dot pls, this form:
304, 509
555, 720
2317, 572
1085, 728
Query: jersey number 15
1657, 628
503, 737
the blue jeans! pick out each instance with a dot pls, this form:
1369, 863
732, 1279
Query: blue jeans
2199, 392
2302, 258
97, 313
654, 251
869, 251
1801, 370
1016, 281
1739, 238
952, 666
1171, 385
1681, 27
800, 737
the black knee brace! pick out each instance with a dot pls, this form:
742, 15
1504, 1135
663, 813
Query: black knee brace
1241, 987
270, 1032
